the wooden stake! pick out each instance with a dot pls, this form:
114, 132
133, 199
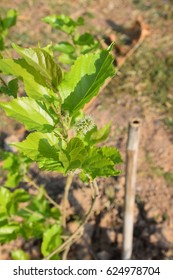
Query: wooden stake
130, 185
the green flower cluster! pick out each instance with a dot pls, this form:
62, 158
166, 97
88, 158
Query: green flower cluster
84, 125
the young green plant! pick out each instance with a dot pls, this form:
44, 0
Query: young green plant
62, 138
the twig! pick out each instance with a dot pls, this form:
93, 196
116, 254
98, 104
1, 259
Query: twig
77, 232
65, 253
66, 192
32, 212
33, 183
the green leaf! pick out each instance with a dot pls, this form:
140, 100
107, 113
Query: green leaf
13, 179
84, 39
19, 255
112, 153
98, 164
3, 219
76, 151
11, 89
5, 198
97, 135
86, 42
44, 149
51, 239
30, 113
62, 22
2, 45
42, 62
84, 80
80, 21
96, 160
87, 49
20, 195
8, 232
55, 213
7, 204
8, 229
10, 19
35, 85
66, 58
64, 47
32, 229
17, 167
40, 204
74, 154
10, 161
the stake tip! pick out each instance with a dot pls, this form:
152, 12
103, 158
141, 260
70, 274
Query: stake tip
136, 122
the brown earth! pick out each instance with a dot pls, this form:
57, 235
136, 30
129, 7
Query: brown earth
153, 229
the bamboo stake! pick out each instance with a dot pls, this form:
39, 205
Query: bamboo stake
131, 170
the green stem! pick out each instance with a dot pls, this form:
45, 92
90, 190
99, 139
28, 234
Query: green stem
66, 192
58, 112
32, 212
74, 237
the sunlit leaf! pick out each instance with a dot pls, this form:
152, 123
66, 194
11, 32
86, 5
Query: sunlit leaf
51, 239
84, 80
43, 62
30, 113
19, 255
64, 47
62, 22
10, 19
44, 149
35, 85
